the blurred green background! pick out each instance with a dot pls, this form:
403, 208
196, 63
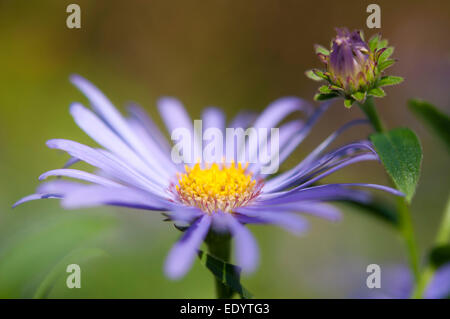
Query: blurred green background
233, 54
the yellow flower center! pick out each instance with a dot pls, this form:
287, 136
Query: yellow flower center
216, 187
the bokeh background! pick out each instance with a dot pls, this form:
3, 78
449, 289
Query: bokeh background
233, 54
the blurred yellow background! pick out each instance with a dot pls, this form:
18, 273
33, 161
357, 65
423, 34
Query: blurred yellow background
232, 54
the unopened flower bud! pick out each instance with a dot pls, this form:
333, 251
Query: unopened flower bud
354, 67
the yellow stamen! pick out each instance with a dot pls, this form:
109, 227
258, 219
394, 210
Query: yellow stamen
216, 187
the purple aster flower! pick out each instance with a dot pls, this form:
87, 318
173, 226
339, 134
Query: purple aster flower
135, 169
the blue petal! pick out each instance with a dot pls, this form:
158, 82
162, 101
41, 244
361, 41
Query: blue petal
96, 195
246, 249
182, 254
111, 116
288, 221
103, 135
138, 114
107, 162
81, 175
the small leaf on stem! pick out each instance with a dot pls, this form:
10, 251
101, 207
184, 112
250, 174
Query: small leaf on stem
401, 154
227, 273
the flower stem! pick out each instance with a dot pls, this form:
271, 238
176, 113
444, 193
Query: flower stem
407, 230
219, 246
443, 236
368, 107
406, 225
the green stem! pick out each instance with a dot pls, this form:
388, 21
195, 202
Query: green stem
443, 236
368, 107
406, 225
407, 230
219, 246
422, 284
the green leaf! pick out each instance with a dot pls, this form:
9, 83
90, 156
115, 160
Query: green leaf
325, 89
321, 49
359, 96
377, 92
440, 255
382, 43
316, 75
348, 103
385, 64
227, 273
433, 118
312, 75
373, 42
336, 88
323, 97
320, 74
401, 154
386, 54
390, 80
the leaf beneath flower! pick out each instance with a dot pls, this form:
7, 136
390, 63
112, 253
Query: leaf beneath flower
228, 274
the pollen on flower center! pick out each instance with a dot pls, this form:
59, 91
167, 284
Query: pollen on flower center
216, 187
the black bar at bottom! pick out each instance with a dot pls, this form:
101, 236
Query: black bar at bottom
210, 308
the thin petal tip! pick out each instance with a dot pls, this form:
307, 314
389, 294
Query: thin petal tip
75, 78
74, 107
173, 273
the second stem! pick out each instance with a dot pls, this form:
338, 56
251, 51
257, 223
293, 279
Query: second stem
406, 225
